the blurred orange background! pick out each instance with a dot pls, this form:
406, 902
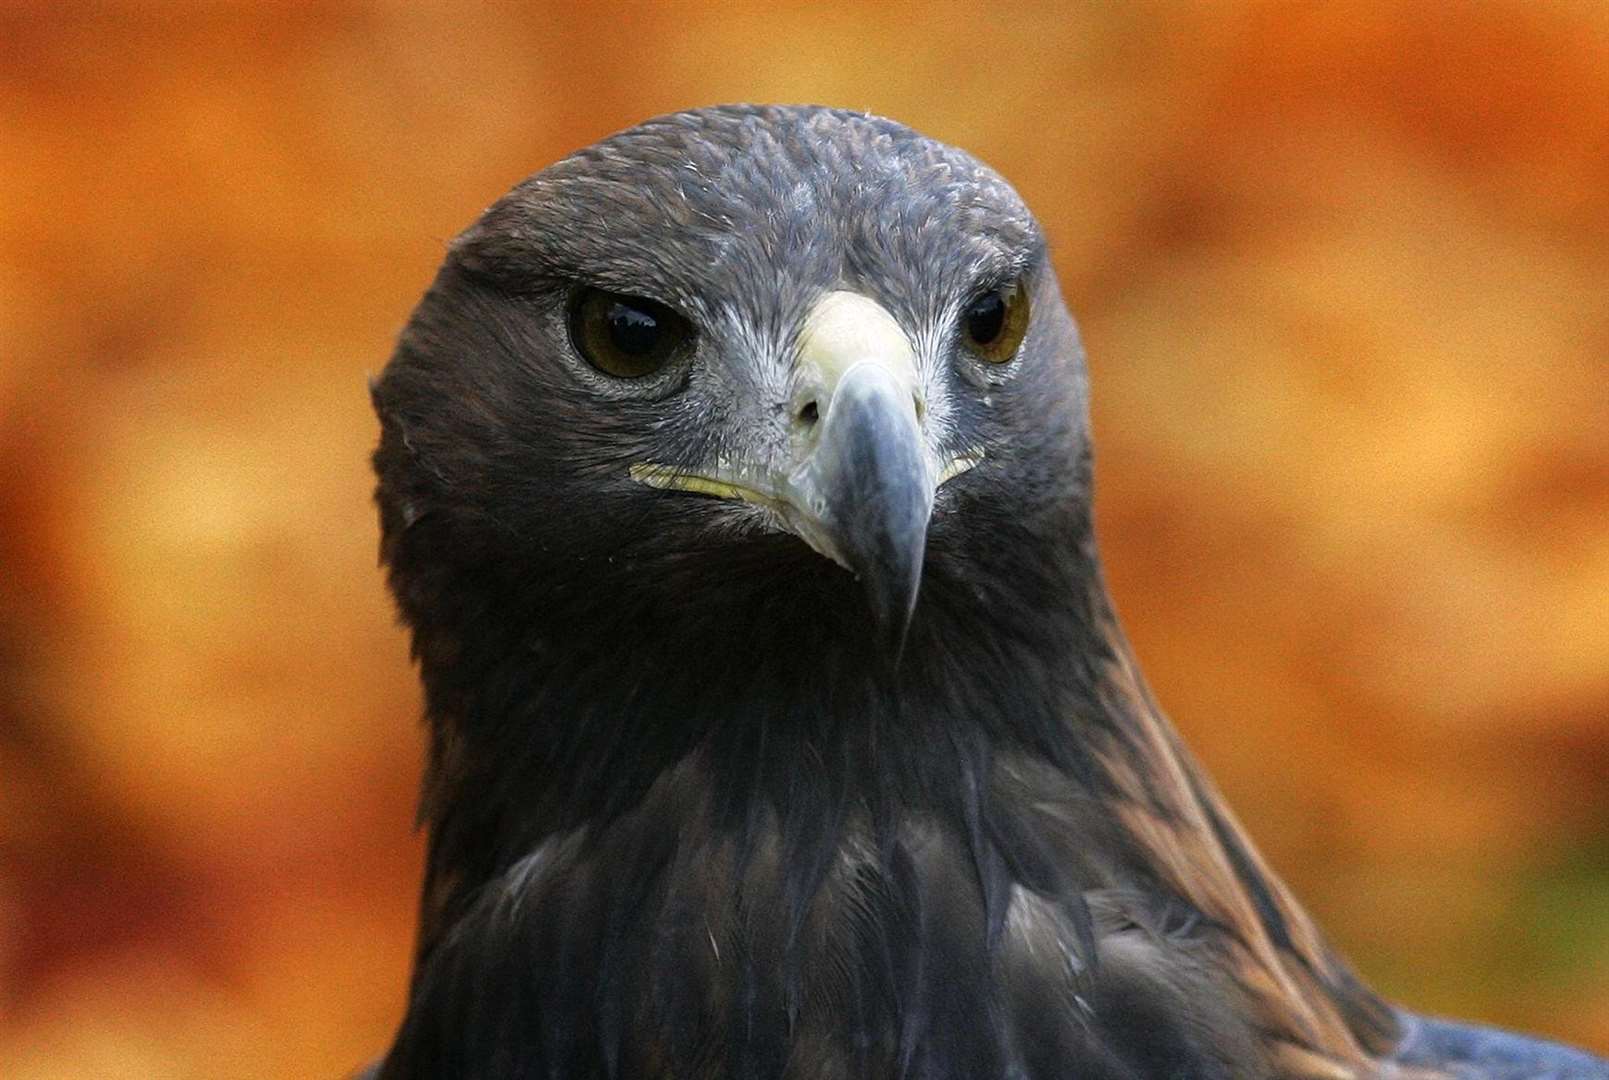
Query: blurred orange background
1343, 272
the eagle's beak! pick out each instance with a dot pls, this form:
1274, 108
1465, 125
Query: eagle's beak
858, 481
861, 492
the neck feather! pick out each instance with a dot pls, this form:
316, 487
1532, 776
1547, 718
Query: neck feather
1016, 724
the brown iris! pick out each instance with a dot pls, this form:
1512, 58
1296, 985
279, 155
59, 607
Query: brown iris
628, 337
993, 325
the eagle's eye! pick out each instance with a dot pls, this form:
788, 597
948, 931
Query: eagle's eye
625, 336
993, 324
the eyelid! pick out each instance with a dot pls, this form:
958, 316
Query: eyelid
630, 290
1018, 270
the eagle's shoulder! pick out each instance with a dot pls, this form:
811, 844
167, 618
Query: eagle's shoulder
1474, 1052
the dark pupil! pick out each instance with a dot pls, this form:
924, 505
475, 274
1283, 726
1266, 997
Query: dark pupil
986, 318
632, 330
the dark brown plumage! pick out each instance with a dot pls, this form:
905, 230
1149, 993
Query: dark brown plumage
781, 725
